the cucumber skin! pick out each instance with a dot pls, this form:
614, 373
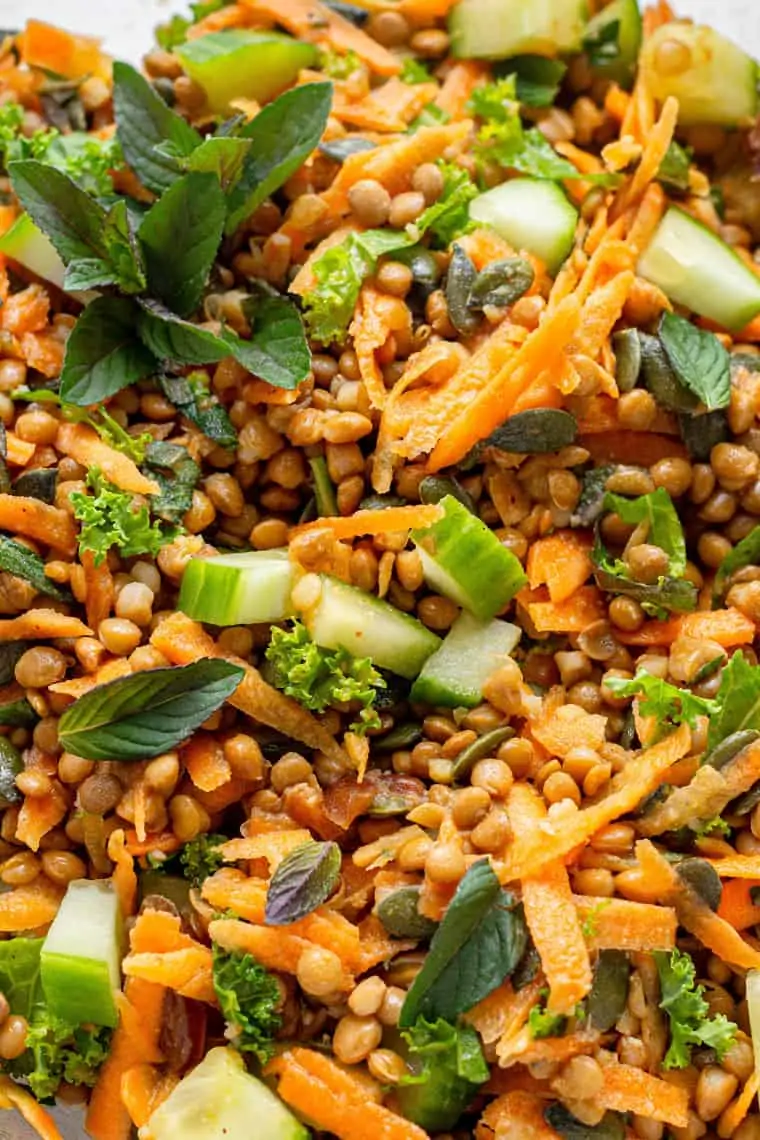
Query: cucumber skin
75, 988
721, 85
454, 676
244, 64
345, 615
482, 29
503, 208
622, 69
27, 245
711, 300
220, 593
464, 550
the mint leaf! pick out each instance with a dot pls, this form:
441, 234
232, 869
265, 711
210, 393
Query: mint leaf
69, 217
745, 553
602, 46
222, 156
277, 351
20, 561
478, 944
87, 273
143, 122
699, 360
282, 135
674, 168
738, 700
302, 881
103, 353
171, 338
180, 236
123, 251
145, 714
665, 528
537, 80
192, 396
177, 474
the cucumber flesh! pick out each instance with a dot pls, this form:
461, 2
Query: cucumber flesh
27, 245
627, 15
238, 589
713, 79
531, 214
464, 560
347, 618
219, 1100
81, 956
238, 64
497, 29
695, 268
454, 676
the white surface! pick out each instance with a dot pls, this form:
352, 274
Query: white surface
127, 25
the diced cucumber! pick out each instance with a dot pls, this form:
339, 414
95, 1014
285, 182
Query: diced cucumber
219, 1100
344, 617
464, 560
712, 78
531, 214
695, 268
238, 589
27, 245
454, 676
627, 16
497, 29
81, 957
240, 64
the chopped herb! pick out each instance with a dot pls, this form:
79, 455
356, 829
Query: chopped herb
109, 519
687, 1010
413, 71
670, 705
201, 857
250, 998
544, 1024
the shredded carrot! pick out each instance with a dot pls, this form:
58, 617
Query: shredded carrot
165, 842
393, 165
228, 889
183, 641
100, 592
567, 727
78, 686
562, 562
352, 1085
378, 317
19, 451
517, 1115
41, 623
35, 519
456, 90
573, 615
38, 816
310, 20
738, 866
389, 520
496, 1015
631, 447
205, 763
656, 143
107, 1117
158, 931
542, 352
641, 775
309, 1083
273, 846
138, 1087
731, 1117
618, 924
628, 1089
13, 1096
44, 45
188, 971
551, 914
390, 107
736, 903
274, 947
29, 907
83, 444
124, 875
693, 913
729, 627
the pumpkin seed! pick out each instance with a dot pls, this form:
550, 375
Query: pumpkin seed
350, 12
39, 483
426, 274
535, 431
341, 149
501, 283
400, 737
660, 379
399, 914
701, 433
10, 766
433, 488
610, 1127
590, 505
386, 804
484, 746
459, 282
731, 747
703, 879
748, 360
627, 348
609, 990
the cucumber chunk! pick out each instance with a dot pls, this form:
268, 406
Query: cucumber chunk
81, 957
27, 245
238, 64
497, 29
464, 560
219, 1100
344, 617
626, 14
238, 589
531, 214
716, 81
454, 676
695, 268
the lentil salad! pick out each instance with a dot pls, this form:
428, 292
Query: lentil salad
379, 502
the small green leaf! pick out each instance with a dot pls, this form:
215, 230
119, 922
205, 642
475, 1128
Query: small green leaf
603, 45
103, 353
277, 351
283, 134
70, 218
192, 396
123, 251
223, 157
745, 553
665, 530
177, 474
537, 80
667, 703
477, 945
738, 700
145, 714
180, 236
143, 122
698, 359
171, 338
87, 273
20, 561
303, 881
674, 168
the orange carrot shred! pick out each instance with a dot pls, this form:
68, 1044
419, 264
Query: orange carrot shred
628, 1089
34, 519
389, 520
13, 1096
